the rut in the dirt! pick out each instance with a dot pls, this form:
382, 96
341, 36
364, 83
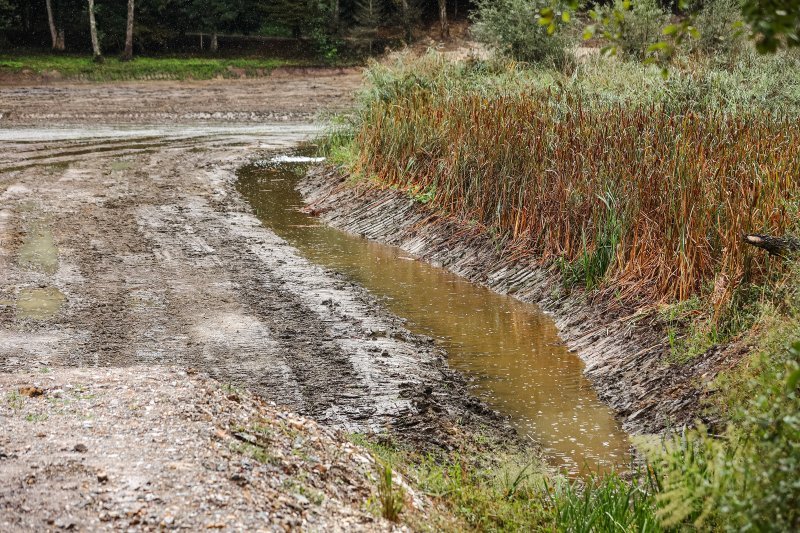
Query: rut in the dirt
160, 262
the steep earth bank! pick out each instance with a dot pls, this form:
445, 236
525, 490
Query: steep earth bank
626, 353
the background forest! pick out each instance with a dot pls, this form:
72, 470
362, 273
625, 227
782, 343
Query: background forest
175, 25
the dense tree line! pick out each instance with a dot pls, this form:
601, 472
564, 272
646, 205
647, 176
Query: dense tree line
164, 25
150, 25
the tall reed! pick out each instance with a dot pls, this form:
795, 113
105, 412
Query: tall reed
650, 198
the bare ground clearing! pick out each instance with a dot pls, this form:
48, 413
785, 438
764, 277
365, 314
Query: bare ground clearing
122, 252
288, 94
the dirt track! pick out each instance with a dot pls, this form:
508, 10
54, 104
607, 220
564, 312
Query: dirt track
160, 262
156, 261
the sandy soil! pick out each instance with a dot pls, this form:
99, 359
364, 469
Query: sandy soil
137, 242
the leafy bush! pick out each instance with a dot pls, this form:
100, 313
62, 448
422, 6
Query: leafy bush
632, 26
747, 478
719, 24
512, 26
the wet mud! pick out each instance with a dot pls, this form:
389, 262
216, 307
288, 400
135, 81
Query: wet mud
626, 353
147, 255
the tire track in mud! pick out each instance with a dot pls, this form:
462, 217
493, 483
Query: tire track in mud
162, 262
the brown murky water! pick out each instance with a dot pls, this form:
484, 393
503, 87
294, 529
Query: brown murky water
510, 350
39, 253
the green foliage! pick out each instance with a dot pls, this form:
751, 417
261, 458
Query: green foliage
720, 26
632, 27
485, 490
512, 26
369, 14
506, 496
390, 496
774, 23
600, 252
745, 479
7, 14
606, 503
175, 68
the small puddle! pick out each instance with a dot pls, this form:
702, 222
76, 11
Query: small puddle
39, 304
121, 165
508, 349
38, 250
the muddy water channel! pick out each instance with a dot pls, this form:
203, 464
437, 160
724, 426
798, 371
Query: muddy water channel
509, 350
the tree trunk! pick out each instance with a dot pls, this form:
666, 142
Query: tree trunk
56, 35
127, 55
407, 22
98, 57
214, 43
445, 26
335, 16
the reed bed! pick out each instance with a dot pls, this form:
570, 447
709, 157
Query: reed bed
644, 198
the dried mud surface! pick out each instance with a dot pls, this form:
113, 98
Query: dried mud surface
283, 95
626, 353
160, 263
152, 448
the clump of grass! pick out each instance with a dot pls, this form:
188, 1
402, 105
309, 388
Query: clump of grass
475, 489
607, 503
15, 401
390, 496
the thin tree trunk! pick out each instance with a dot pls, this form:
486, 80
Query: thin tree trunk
214, 42
445, 26
406, 14
98, 57
201, 42
127, 55
56, 35
335, 15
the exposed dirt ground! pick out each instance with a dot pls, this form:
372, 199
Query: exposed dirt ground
286, 94
139, 245
143, 448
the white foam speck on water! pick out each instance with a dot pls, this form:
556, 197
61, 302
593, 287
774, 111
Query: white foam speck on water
296, 159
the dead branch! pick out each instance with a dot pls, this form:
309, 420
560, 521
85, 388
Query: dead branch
779, 246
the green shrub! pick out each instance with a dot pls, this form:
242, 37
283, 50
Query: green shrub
745, 479
633, 26
719, 24
512, 26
